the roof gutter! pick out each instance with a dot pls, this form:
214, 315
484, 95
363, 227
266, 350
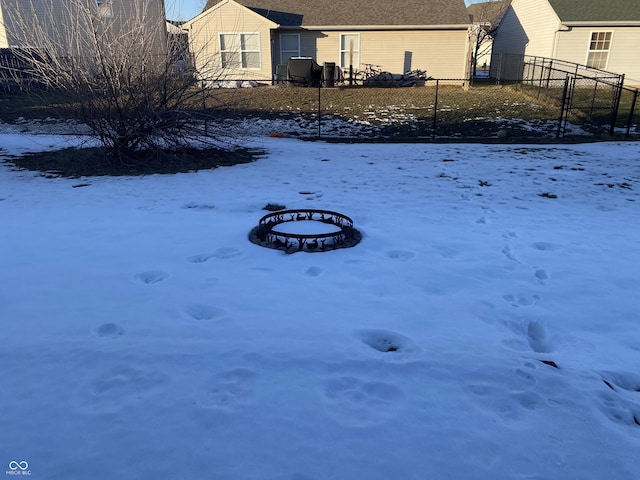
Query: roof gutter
377, 27
623, 23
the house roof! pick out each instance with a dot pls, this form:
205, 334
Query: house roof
488, 12
597, 10
306, 13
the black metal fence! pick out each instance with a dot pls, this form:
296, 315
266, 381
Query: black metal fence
628, 113
589, 96
438, 110
524, 98
15, 71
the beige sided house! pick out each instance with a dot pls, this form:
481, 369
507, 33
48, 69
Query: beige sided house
603, 34
249, 38
57, 23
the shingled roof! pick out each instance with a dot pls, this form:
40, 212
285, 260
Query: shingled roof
489, 12
328, 13
597, 10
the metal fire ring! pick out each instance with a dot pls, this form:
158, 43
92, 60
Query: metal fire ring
266, 234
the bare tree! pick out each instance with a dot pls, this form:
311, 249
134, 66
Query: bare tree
485, 18
116, 66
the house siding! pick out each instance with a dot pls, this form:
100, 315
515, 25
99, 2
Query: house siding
532, 27
23, 19
21, 22
440, 52
4, 42
229, 17
528, 28
573, 46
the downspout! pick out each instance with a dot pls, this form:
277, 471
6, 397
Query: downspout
274, 68
272, 48
556, 39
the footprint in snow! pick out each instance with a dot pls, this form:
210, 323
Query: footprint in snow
532, 336
228, 390
401, 255
311, 195
619, 398
354, 402
151, 276
221, 253
199, 258
541, 276
617, 381
203, 312
121, 387
110, 330
544, 246
388, 342
313, 271
508, 252
521, 300
489, 393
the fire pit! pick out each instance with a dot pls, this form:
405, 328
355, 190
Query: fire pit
305, 230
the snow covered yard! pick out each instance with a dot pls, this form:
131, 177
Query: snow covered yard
486, 327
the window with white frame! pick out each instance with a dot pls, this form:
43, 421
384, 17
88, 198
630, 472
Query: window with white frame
350, 50
289, 46
599, 47
240, 50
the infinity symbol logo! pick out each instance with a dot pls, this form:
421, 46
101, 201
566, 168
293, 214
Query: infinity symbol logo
13, 465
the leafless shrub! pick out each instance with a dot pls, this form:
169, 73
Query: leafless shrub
128, 79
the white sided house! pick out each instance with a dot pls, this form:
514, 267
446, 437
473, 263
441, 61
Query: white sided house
69, 26
248, 39
603, 34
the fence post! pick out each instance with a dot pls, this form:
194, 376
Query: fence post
550, 72
616, 105
593, 99
632, 111
533, 70
319, 112
562, 107
204, 108
435, 111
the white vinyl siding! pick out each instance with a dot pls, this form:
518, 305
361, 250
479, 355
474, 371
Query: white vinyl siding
528, 27
240, 50
599, 47
63, 23
4, 43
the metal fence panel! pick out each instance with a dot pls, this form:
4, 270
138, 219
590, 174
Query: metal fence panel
545, 103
